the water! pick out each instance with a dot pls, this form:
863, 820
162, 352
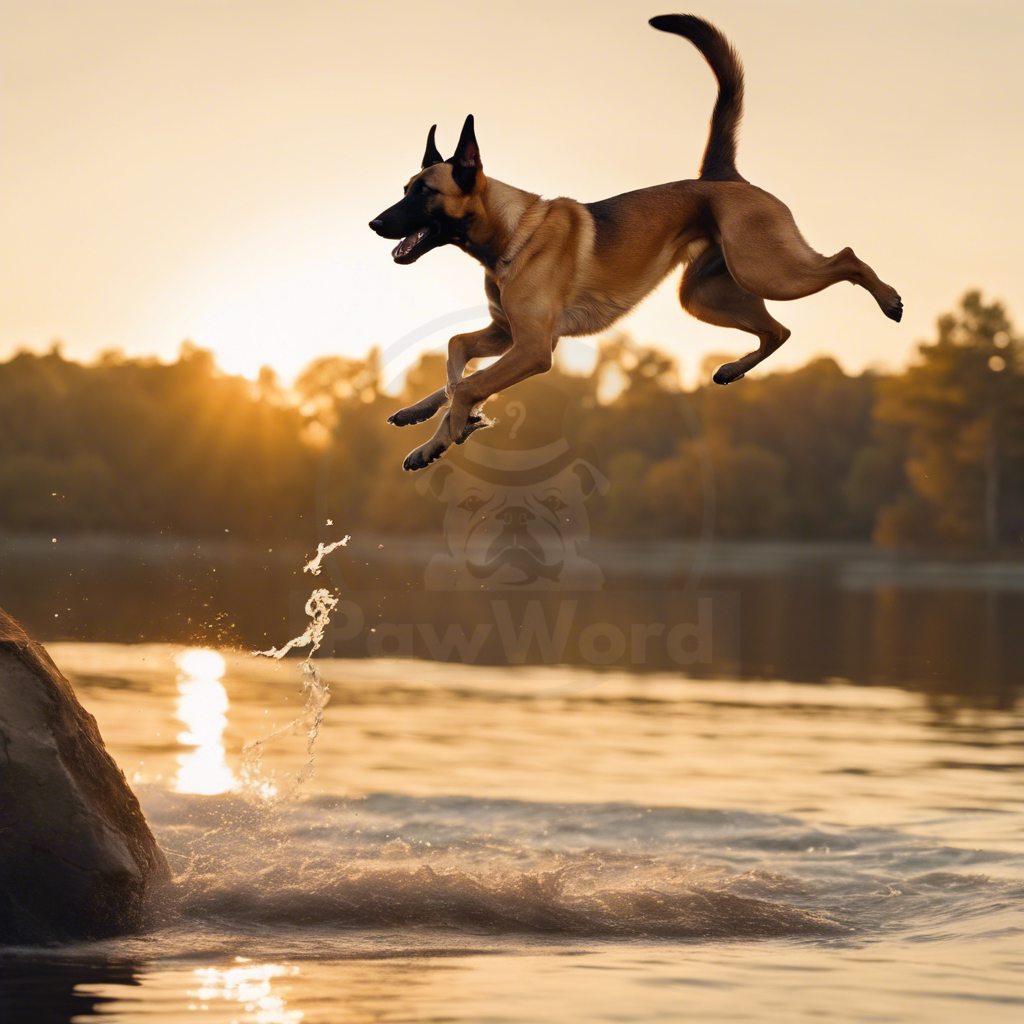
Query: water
536, 844
800, 612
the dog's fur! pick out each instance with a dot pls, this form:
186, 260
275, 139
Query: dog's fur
557, 267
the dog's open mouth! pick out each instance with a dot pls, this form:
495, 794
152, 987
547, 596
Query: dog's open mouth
411, 248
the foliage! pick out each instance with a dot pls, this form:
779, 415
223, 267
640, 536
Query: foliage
934, 455
962, 408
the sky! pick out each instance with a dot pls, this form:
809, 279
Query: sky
206, 170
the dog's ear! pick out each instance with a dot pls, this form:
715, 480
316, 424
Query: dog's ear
431, 156
434, 480
466, 163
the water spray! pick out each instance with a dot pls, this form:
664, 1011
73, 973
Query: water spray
320, 604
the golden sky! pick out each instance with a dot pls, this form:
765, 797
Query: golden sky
206, 170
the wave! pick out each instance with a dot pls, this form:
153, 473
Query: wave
459, 864
556, 902
474, 866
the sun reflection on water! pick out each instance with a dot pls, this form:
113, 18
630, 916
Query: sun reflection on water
250, 986
202, 706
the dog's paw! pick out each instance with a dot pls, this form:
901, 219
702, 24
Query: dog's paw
727, 374
889, 302
409, 415
475, 422
423, 456
895, 310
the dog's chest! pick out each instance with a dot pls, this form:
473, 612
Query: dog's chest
590, 314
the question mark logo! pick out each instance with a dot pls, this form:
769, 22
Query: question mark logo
518, 410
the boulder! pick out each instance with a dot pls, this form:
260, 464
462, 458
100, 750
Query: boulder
77, 859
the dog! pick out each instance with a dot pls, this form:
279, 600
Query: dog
556, 267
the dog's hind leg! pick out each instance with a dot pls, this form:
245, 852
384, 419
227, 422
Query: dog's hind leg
768, 257
709, 293
493, 340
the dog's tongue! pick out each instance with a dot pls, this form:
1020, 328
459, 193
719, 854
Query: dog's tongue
406, 245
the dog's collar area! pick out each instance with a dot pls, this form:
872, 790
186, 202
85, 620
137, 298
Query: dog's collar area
478, 252
461, 236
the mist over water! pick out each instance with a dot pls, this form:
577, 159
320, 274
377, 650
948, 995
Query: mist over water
508, 870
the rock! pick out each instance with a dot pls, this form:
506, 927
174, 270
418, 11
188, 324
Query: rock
77, 858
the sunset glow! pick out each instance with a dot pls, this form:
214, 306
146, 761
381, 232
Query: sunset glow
211, 177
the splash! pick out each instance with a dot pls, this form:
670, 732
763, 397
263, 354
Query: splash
309, 867
313, 565
318, 607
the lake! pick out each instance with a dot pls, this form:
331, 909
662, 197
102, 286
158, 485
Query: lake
812, 820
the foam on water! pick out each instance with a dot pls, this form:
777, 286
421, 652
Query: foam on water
508, 869
314, 866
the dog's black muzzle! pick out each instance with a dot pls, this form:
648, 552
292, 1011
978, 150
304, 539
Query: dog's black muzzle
418, 231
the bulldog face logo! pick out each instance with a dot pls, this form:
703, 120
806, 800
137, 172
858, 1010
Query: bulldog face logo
514, 519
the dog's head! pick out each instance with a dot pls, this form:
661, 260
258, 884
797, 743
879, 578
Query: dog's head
440, 202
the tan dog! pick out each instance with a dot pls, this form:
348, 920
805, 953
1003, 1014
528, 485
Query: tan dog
558, 267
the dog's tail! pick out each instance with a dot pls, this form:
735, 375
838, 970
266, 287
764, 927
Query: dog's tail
719, 163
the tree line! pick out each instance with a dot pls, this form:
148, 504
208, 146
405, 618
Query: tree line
931, 457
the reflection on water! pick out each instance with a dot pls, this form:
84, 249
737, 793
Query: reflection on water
202, 706
250, 985
803, 613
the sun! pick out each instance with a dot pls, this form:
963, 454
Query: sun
279, 314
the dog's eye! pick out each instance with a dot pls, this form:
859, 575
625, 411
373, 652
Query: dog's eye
472, 503
554, 504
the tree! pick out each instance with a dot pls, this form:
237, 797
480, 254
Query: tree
962, 404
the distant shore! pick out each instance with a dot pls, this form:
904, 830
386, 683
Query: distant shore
851, 565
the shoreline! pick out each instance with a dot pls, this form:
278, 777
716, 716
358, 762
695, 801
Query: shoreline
852, 565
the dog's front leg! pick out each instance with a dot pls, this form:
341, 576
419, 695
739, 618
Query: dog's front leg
530, 354
420, 411
492, 340
445, 436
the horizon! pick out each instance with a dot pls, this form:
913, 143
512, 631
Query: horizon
573, 357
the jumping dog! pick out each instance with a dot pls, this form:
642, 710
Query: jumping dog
558, 267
